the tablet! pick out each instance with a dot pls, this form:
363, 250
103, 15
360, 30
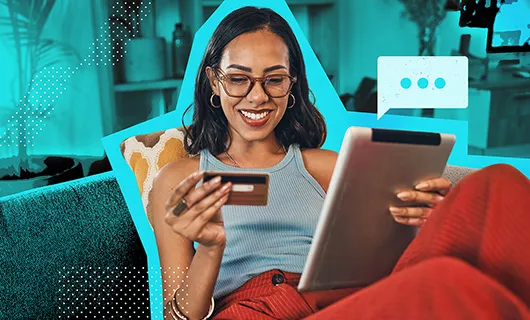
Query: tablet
357, 241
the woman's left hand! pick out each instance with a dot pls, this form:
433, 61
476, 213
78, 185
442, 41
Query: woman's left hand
427, 193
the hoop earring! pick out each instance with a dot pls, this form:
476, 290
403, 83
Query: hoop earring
211, 102
294, 101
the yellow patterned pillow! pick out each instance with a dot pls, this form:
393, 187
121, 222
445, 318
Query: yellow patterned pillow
148, 153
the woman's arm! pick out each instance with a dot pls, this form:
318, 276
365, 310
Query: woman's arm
196, 274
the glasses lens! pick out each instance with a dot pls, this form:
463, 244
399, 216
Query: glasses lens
237, 85
277, 85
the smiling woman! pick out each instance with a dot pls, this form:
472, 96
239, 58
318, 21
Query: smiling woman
253, 68
252, 113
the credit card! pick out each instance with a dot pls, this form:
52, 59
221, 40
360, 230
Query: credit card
248, 188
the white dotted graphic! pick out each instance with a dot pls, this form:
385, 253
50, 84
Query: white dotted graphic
103, 293
47, 86
109, 292
177, 287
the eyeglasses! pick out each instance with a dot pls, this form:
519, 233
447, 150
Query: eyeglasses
239, 85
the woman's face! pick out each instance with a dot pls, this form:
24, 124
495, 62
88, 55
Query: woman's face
257, 54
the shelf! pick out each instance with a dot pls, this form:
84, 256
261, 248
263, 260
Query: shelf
215, 3
148, 85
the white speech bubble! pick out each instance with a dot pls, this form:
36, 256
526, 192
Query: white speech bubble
445, 82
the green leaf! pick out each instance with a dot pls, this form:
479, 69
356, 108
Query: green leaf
51, 53
37, 11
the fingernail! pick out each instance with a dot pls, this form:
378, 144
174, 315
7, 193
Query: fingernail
422, 186
401, 219
226, 186
395, 210
216, 180
438, 197
404, 195
197, 174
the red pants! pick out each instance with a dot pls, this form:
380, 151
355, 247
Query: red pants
471, 260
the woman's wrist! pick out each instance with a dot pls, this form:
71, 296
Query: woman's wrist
211, 251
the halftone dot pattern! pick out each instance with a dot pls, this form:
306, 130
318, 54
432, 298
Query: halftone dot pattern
85, 292
174, 280
47, 86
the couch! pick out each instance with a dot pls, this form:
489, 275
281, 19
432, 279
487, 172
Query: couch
53, 240
74, 240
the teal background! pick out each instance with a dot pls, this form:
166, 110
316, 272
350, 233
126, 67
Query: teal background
97, 104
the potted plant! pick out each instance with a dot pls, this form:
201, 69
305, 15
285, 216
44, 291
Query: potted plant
40, 66
427, 15
143, 58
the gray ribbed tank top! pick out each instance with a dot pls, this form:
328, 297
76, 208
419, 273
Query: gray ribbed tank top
276, 236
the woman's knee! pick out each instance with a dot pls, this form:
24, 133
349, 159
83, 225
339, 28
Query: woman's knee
503, 170
498, 174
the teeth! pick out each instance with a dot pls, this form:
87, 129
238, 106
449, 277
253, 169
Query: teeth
255, 116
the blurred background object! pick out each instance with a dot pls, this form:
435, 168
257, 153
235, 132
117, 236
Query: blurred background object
427, 15
39, 59
364, 99
127, 59
138, 63
181, 47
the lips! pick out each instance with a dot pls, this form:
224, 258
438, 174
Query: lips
254, 119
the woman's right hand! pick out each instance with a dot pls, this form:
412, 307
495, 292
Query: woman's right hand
202, 221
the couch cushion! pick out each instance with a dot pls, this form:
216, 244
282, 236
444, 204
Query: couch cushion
456, 173
147, 154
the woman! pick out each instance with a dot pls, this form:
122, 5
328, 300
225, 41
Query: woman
252, 112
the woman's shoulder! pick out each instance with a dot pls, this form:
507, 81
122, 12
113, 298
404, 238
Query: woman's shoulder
177, 170
320, 164
314, 154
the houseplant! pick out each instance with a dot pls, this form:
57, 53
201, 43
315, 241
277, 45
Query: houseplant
40, 64
143, 57
427, 15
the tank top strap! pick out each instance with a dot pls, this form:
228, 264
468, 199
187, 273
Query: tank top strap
203, 161
300, 165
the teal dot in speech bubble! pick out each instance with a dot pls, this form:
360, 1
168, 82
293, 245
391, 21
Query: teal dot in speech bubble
423, 83
439, 83
406, 83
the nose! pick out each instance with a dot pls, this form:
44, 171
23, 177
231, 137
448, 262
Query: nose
257, 95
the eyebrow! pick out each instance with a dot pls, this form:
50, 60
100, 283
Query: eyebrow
247, 69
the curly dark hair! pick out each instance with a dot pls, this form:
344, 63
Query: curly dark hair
303, 124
